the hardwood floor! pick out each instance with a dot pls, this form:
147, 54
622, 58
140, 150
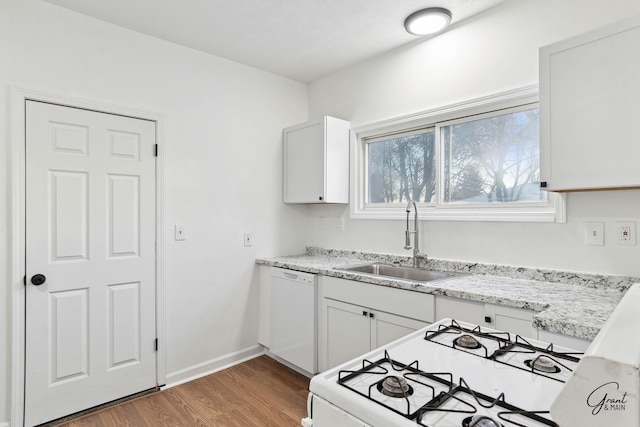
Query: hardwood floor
259, 392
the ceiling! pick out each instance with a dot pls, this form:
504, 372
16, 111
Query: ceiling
300, 39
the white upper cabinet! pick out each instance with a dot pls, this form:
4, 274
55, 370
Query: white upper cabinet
316, 162
590, 108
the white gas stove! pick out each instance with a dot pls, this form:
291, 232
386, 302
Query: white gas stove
453, 374
448, 374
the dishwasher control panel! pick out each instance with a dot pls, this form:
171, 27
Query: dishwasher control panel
298, 276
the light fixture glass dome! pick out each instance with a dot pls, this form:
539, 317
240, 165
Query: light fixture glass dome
427, 21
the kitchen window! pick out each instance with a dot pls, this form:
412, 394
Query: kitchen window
401, 167
477, 161
494, 158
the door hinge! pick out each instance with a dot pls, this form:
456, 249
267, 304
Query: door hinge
156, 344
156, 150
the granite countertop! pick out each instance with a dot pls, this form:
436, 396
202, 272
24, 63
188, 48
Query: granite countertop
577, 308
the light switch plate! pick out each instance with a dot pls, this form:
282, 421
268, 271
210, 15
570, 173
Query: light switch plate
180, 232
594, 234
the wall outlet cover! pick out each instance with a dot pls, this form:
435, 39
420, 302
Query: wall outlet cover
626, 233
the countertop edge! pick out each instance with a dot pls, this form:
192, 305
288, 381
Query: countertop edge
549, 316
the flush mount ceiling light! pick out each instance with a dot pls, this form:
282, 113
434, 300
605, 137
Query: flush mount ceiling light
427, 21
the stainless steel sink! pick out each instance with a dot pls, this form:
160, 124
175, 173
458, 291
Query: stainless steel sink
398, 272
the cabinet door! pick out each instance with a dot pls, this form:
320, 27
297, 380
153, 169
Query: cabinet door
347, 332
589, 108
563, 340
304, 165
460, 309
387, 327
510, 319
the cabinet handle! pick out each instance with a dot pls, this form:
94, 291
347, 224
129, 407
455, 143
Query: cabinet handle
487, 319
371, 315
364, 313
320, 197
543, 184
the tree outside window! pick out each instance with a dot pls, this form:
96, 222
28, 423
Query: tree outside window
492, 160
402, 168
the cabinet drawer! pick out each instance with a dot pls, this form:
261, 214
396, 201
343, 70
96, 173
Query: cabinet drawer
415, 305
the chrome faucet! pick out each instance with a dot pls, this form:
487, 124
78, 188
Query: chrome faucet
407, 235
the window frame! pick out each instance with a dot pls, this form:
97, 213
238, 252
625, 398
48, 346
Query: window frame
387, 136
551, 210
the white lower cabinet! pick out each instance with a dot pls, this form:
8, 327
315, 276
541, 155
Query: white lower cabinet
387, 327
353, 330
356, 317
510, 319
563, 340
347, 332
460, 309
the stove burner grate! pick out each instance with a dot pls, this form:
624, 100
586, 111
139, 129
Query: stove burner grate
469, 339
409, 376
544, 361
463, 400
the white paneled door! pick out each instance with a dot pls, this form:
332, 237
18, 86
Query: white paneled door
90, 259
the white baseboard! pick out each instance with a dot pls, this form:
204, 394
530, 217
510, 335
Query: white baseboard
209, 367
289, 365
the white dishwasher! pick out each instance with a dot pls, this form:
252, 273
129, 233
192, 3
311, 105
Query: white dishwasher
292, 318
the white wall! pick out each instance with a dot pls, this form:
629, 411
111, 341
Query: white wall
223, 153
222, 165
494, 52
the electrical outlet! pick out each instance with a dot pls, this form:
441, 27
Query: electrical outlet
248, 239
340, 224
626, 232
594, 234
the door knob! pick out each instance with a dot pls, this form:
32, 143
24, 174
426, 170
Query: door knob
38, 279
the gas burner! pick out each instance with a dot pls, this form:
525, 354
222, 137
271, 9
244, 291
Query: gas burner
468, 408
467, 341
402, 388
394, 386
538, 358
480, 421
543, 364
469, 338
